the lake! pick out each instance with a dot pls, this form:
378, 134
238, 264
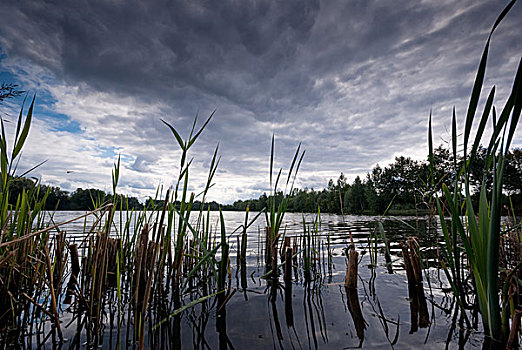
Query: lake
266, 313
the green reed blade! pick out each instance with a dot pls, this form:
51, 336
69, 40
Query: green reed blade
20, 140
176, 135
271, 160
33, 168
185, 307
482, 124
19, 121
430, 151
458, 223
193, 139
293, 163
517, 89
210, 255
479, 79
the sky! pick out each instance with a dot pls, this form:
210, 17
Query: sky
353, 81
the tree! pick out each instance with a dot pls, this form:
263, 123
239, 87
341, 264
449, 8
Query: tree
8, 90
513, 172
17, 186
355, 197
445, 168
87, 199
57, 199
374, 202
513, 178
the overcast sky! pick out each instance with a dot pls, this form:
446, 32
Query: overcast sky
354, 81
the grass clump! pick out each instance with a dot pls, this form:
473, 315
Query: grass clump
476, 235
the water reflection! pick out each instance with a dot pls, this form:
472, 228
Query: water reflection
355, 311
287, 311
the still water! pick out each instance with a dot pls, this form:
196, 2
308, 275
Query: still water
322, 314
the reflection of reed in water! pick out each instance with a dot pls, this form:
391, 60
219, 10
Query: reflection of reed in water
313, 302
221, 321
289, 311
273, 294
289, 315
420, 316
375, 304
350, 285
355, 311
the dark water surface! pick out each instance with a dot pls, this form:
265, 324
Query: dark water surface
266, 314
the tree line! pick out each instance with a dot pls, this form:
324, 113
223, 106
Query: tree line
88, 199
58, 199
401, 187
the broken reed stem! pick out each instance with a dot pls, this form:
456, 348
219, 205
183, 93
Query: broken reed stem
60, 259
141, 247
243, 246
415, 259
286, 243
288, 264
350, 280
275, 270
75, 267
151, 262
100, 269
53, 296
515, 327
268, 247
114, 248
294, 251
238, 256
407, 264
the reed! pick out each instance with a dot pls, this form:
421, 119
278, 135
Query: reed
164, 260
386, 242
310, 247
149, 263
479, 232
276, 208
21, 239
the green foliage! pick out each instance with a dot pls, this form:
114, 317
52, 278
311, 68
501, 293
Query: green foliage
406, 184
80, 199
21, 203
9, 90
277, 204
479, 233
355, 198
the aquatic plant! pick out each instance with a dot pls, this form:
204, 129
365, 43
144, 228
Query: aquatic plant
479, 233
310, 246
277, 205
22, 239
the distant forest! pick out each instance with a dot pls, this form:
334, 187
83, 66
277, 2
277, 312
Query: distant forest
402, 187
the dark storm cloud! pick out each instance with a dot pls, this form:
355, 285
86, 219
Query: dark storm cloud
353, 80
264, 56
180, 50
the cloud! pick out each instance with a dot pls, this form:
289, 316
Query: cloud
353, 81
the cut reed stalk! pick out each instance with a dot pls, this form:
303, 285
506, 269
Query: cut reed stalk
75, 272
351, 270
407, 264
288, 264
512, 342
414, 257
